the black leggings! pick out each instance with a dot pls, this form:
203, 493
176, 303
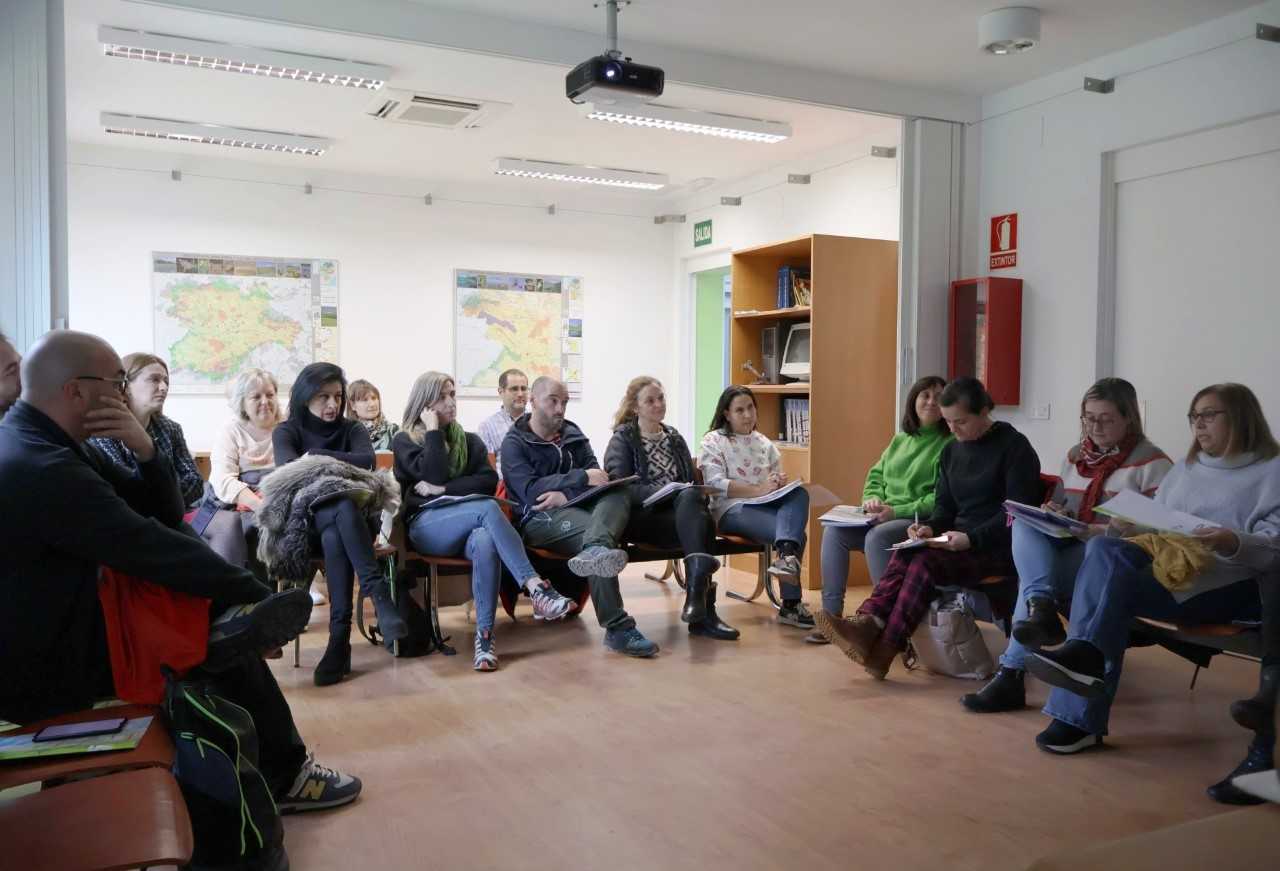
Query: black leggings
683, 520
347, 545
1269, 587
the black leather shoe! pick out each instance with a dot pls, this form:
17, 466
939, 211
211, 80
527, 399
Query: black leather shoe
712, 626
336, 662
698, 568
1076, 667
1042, 628
1259, 758
390, 623
1259, 713
1005, 692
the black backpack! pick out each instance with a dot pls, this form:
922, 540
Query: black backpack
234, 817
421, 639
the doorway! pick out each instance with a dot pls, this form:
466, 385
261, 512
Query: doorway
710, 345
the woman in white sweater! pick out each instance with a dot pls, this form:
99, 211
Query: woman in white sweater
741, 463
1231, 480
242, 454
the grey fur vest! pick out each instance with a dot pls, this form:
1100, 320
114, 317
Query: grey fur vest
291, 492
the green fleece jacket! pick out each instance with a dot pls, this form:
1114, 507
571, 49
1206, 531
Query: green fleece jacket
907, 472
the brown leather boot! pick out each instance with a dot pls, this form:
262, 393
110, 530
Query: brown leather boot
881, 657
854, 636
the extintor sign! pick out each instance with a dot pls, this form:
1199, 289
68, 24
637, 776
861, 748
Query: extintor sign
1004, 241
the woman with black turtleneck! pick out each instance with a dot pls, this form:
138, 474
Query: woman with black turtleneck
317, 425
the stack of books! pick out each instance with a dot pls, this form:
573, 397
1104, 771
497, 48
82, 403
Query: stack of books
795, 417
793, 285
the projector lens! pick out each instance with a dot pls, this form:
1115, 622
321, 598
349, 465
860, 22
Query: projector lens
612, 70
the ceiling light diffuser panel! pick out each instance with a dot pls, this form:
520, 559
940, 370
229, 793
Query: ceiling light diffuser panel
690, 121
572, 172
183, 51
213, 134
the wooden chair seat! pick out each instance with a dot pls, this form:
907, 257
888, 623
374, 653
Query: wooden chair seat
154, 751
129, 819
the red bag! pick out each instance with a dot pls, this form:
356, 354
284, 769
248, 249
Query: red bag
149, 626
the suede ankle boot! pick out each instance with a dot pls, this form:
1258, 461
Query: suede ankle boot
336, 662
1006, 692
1258, 714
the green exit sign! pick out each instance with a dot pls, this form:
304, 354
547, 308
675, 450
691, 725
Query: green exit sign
702, 233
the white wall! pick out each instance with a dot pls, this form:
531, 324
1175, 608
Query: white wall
396, 259
1042, 146
850, 194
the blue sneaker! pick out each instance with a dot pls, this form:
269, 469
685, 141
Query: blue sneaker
254, 629
318, 787
630, 642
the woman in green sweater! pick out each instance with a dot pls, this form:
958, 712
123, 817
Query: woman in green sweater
899, 487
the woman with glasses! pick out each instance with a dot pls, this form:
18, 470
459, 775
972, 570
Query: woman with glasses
1112, 455
145, 388
1230, 479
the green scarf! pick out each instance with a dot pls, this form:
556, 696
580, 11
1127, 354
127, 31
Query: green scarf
455, 439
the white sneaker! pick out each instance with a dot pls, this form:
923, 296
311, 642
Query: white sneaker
317, 597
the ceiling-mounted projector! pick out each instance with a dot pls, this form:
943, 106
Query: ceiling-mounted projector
611, 76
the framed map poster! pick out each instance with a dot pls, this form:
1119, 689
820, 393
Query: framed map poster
216, 315
511, 320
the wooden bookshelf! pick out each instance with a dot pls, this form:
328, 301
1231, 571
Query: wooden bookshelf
854, 353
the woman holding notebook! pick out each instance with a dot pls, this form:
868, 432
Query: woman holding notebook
1230, 480
899, 488
743, 465
965, 539
643, 446
437, 464
1113, 454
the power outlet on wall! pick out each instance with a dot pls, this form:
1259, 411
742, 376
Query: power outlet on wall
1040, 412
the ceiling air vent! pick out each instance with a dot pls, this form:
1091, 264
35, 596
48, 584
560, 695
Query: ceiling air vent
433, 110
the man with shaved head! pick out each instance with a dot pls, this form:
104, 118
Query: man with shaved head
548, 465
69, 511
10, 377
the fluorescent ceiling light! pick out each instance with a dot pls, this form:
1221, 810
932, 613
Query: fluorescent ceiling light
214, 134
180, 50
624, 178
690, 121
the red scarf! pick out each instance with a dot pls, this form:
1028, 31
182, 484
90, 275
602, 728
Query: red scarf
1094, 463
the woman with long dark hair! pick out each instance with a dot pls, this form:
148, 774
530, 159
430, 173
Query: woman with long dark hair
898, 488
741, 463
317, 427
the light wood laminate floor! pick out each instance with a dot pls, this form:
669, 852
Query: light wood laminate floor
760, 754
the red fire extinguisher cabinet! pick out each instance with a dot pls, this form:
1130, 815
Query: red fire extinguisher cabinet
986, 335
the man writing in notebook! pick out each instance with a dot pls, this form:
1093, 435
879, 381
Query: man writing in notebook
548, 465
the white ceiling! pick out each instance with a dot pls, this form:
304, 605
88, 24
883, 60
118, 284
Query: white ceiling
541, 125
926, 43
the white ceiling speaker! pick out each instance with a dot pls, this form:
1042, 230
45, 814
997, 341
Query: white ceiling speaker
1009, 31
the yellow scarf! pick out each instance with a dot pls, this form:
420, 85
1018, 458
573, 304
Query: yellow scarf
1175, 559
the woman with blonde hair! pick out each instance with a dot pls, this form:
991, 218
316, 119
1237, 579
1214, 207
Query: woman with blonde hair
644, 446
242, 455
444, 476
364, 403
148, 377
1230, 479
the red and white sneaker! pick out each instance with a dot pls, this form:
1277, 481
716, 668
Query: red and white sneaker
549, 604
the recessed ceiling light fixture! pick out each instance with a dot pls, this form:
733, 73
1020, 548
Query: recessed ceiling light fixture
601, 175
689, 121
1009, 31
213, 134
182, 51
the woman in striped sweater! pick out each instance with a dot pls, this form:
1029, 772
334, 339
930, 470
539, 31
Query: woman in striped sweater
1113, 455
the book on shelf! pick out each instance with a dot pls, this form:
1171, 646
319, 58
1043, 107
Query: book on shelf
795, 414
787, 276
802, 290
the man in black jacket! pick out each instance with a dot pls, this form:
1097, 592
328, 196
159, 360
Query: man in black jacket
68, 511
548, 465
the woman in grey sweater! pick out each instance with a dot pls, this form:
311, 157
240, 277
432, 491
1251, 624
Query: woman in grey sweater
1230, 479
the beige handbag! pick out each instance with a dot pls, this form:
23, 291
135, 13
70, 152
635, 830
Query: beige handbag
948, 640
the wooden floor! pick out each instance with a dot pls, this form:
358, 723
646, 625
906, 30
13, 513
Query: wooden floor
760, 754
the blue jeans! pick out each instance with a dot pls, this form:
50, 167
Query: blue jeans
838, 541
478, 529
1046, 569
1115, 585
783, 520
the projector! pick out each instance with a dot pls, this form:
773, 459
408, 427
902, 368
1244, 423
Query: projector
608, 78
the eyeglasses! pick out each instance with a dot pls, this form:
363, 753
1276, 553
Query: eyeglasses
1096, 422
121, 384
1208, 416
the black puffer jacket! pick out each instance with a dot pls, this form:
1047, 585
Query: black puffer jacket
625, 456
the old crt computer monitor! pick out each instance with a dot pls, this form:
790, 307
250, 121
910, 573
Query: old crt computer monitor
795, 359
